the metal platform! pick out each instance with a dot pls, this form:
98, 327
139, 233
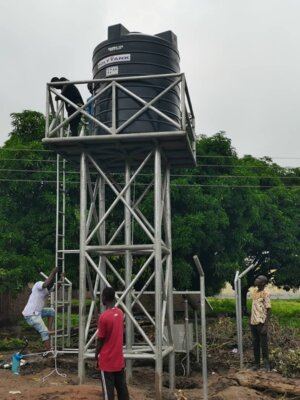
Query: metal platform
114, 150
117, 144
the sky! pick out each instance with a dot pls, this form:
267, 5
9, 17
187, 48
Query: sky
241, 59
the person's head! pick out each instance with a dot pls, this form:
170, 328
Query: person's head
55, 79
108, 295
90, 87
63, 79
261, 281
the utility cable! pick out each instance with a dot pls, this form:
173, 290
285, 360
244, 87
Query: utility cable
172, 175
41, 181
260, 158
26, 159
198, 166
33, 150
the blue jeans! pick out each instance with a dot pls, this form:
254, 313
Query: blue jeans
36, 321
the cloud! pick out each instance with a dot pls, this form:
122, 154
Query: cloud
241, 59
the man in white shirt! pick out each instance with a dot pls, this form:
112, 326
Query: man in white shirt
34, 311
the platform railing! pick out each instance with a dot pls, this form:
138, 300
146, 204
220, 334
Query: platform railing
57, 123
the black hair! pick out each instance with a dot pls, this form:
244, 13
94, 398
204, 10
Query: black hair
108, 293
90, 87
262, 278
55, 79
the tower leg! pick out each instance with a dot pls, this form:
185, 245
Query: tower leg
82, 267
170, 310
158, 274
128, 273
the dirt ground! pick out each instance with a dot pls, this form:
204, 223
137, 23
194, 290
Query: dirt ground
50, 379
56, 379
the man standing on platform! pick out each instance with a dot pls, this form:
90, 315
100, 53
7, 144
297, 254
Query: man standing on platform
109, 350
71, 92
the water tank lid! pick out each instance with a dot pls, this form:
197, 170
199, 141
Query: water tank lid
115, 31
168, 36
118, 30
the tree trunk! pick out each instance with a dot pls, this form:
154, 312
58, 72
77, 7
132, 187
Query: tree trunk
265, 381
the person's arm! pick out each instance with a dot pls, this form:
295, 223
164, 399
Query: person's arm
99, 344
268, 316
50, 280
265, 326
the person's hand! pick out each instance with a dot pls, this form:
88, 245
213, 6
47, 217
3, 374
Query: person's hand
264, 329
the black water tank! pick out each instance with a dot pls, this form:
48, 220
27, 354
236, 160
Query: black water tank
127, 54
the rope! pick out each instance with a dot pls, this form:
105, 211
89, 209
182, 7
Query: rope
45, 354
35, 354
55, 370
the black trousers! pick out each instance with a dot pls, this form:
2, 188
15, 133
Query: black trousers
110, 382
260, 343
74, 124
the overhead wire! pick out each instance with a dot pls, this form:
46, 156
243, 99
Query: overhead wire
223, 177
199, 166
172, 175
42, 181
27, 159
24, 149
197, 156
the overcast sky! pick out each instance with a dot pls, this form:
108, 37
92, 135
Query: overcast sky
241, 59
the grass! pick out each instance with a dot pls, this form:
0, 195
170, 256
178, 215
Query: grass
286, 312
11, 344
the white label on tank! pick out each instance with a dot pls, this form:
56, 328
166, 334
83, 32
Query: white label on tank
112, 70
115, 48
113, 59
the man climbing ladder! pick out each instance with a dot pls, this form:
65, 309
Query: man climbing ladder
34, 311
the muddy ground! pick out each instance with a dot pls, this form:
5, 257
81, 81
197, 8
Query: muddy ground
56, 379
50, 379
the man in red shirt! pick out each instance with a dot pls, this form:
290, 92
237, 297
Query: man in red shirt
109, 350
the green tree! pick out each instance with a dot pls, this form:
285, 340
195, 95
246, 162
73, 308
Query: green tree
235, 212
200, 221
27, 203
230, 211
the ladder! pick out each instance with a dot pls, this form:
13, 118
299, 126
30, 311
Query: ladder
61, 299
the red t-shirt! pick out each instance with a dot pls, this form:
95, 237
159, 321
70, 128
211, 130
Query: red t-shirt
110, 330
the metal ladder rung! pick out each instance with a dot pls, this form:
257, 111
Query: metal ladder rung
63, 305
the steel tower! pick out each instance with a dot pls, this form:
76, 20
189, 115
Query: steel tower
125, 215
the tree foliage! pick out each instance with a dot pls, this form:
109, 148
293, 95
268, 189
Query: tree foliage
235, 212
230, 211
27, 203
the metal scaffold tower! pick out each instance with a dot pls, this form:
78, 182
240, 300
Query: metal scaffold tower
125, 216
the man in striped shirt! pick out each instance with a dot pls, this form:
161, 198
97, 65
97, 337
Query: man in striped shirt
260, 316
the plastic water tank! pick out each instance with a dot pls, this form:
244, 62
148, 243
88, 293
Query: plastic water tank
127, 54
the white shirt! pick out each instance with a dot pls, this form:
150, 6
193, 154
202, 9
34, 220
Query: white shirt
36, 300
